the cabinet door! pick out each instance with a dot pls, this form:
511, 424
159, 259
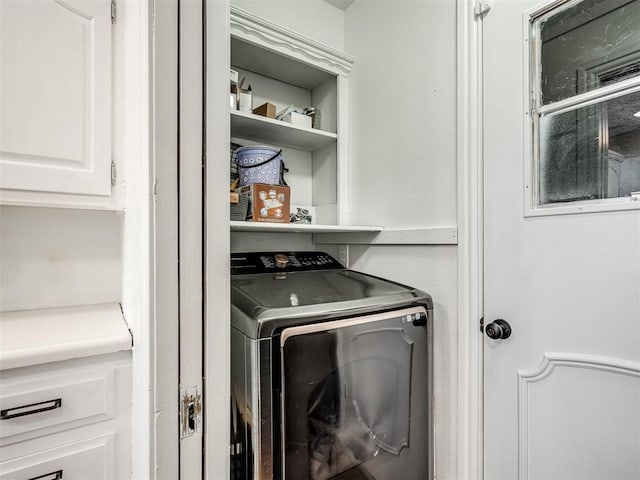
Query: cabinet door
91, 459
55, 96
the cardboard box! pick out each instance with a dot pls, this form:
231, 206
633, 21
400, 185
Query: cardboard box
267, 203
297, 119
266, 110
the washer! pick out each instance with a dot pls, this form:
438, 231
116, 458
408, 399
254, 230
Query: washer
331, 372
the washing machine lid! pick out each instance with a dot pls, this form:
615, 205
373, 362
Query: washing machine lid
289, 295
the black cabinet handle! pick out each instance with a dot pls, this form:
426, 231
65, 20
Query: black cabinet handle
49, 476
30, 409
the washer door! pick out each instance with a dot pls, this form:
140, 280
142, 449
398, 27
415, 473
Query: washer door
355, 398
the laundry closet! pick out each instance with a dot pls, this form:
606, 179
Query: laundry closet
119, 124
378, 173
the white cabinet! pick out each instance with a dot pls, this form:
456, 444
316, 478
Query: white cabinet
73, 398
285, 68
55, 98
65, 394
88, 459
68, 419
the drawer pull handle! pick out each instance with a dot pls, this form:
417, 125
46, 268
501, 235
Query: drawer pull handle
49, 476
16, 412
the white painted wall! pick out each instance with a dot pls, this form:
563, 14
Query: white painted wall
313, 18
59, 257
251, 242
402, 165
402, 112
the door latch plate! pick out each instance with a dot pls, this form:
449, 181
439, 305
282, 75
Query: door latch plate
190, 411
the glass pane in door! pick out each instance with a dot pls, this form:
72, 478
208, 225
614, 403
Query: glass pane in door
592, 152
590, 44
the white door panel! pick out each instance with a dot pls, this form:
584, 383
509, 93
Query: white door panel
55, 96
562, 394
594, 399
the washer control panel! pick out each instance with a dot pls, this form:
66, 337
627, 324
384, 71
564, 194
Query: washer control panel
269, 262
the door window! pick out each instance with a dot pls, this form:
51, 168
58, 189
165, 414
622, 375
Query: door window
585, 103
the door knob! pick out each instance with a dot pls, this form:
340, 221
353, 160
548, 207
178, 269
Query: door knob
498, 329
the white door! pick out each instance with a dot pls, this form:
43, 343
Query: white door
562, 253
55, 96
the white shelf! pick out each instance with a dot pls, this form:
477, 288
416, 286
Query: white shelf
299, 228
31, 337
276, 132
274, 51
273, 65
357, 234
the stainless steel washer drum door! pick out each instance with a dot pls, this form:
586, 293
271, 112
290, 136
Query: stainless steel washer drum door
356, 399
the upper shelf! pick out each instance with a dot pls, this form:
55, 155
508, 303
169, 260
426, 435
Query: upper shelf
276, 52
276, 132
269, 64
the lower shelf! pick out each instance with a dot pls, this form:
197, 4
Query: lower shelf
298, 228
358, 235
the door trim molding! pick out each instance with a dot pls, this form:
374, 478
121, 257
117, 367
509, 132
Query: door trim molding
190, 221
164, 331
217, 326
134, 138
470, 241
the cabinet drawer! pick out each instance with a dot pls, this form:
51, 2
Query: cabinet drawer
51, 403
92, 459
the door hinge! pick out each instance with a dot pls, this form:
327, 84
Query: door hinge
114, 173
190, 411
113, 12
481, 7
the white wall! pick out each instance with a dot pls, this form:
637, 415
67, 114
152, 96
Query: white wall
59, 257
402, 112
313, 18
402, 165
